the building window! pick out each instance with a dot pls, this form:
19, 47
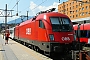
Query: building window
70, 4
70, 8
76, 15
73, 16
76, 10
86, 1
82, 13
79, 9
73, 7
86, 7
63, 6
71, 12
60, 7
70, 16
76, 6
82, 8
86, 12
80, 4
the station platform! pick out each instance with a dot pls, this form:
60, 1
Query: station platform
16, 51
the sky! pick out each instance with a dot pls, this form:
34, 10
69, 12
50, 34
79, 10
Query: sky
33, 6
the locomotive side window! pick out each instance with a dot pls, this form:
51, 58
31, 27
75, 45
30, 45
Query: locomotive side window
89, 33
41, 24
60, 24
84, 33
11, 31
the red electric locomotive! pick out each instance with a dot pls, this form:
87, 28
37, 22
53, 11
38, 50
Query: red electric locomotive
84, 35
49, 31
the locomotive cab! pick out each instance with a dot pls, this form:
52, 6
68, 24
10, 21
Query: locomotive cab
55, 31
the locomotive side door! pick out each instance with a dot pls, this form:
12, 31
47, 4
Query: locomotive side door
40, 31
16, 33
36, 29
40, 34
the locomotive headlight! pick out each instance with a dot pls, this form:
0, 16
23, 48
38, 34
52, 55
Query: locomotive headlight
51, 36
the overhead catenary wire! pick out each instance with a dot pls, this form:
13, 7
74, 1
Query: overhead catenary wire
28, 6
36, 6
39, 4
15, 4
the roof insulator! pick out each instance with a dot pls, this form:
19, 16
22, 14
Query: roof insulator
50, 10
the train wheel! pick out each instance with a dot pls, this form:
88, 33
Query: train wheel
27, 45
32, 46
47, 53
37, 49
24, 43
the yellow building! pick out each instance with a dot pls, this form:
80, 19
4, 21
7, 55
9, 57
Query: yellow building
76, 10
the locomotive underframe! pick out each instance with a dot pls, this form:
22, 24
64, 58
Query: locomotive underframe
54, 47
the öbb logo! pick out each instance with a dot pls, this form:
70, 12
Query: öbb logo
65, 38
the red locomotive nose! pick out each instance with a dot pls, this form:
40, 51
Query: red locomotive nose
63, 37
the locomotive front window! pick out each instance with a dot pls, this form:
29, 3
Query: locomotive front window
65, 21
60, 24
